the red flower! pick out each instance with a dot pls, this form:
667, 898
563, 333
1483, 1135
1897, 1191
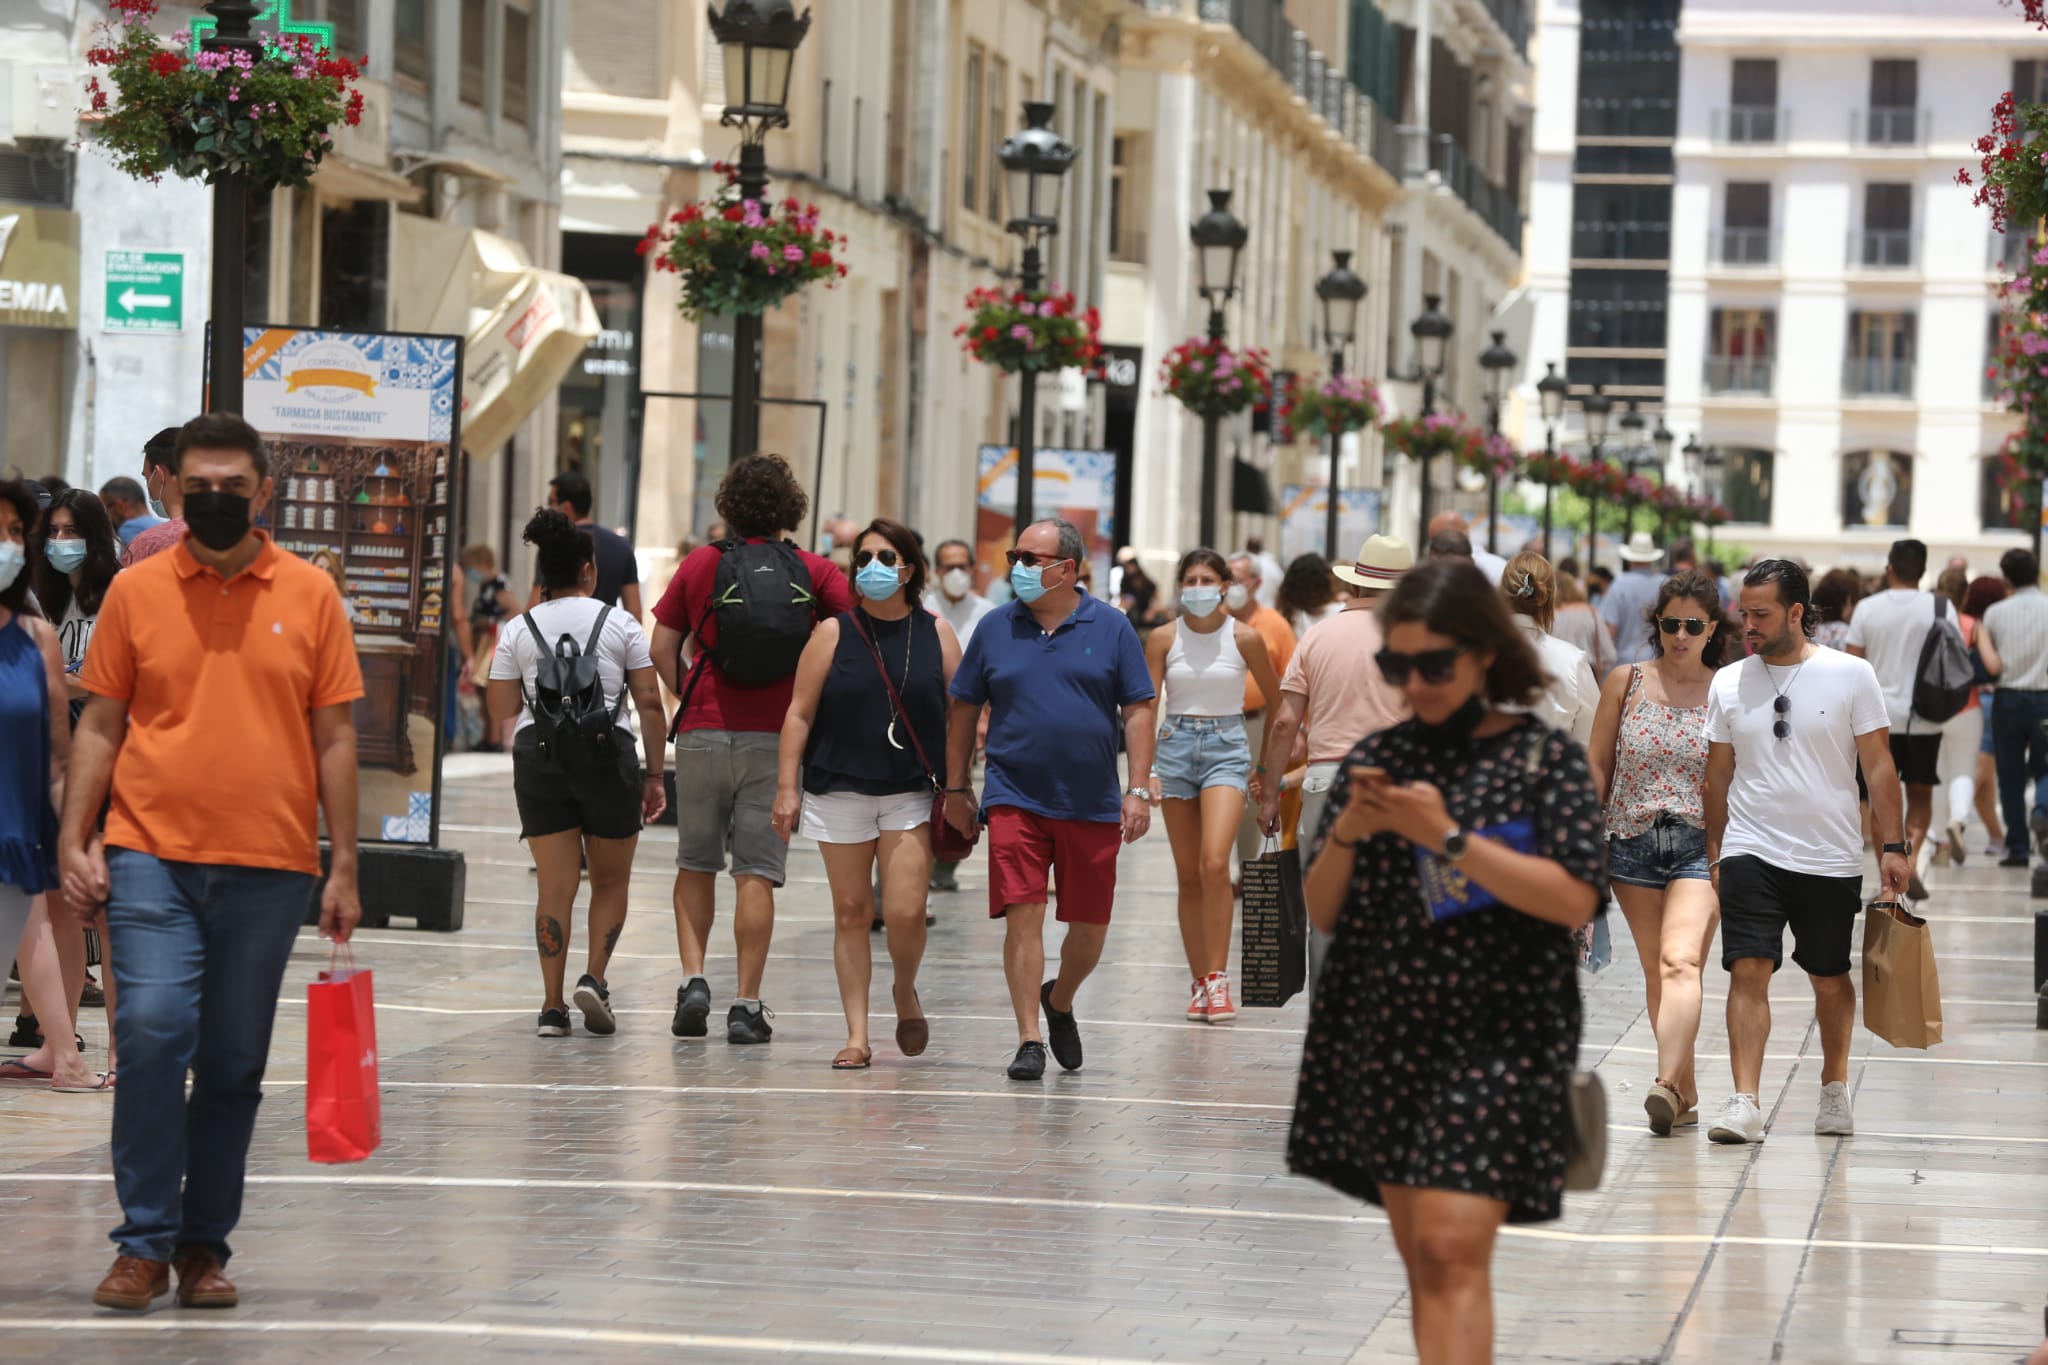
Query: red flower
733, 213
842, 270
820, 259
353, 115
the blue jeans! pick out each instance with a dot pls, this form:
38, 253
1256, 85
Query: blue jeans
2020, 752
198, 952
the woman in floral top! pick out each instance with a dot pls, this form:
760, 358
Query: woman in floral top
1649, 756
1457, 854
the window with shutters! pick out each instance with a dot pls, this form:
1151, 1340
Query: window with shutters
1894, 114
411, 52
1745, 237
1886, 241
1881, 354
972, 155
1740, 350
1621, 222
613, 51
469, 85
346, 19
516, 106
1753, 101
998, 86
2030, 82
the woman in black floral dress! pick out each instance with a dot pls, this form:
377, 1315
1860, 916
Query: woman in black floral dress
1459, 851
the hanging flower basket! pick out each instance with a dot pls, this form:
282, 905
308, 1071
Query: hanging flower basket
1341, 403
264, 114
1599, 480
1549, 468
737, 255
1211, 380
1707, 512
1015, 331
1485, 453
1425, 437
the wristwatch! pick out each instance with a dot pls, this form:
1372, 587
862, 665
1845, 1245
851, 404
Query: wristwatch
1456, 842
1142, 793
1903, 850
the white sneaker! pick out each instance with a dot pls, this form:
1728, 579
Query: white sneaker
1740, 1121
1957, 848
1198, 1003
1834, 1118
1221, 1008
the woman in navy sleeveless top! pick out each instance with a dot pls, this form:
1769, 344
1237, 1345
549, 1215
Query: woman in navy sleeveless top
35, 737
864, 740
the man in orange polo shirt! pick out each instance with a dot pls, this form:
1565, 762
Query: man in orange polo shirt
1242, 601
221, 672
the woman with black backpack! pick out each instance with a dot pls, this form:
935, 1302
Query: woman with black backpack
564, 668
863, 755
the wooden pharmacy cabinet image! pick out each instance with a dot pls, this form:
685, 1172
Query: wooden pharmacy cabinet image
380, 513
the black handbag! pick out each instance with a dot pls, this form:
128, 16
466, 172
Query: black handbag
1272, 963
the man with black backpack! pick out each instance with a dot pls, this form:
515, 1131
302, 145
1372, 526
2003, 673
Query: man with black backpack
1914, 643
745, 608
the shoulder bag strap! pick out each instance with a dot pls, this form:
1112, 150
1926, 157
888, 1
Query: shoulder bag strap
540, 644
895, 701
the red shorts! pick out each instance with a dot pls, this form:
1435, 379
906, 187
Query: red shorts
1024, 846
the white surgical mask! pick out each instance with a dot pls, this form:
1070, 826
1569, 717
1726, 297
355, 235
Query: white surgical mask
1200, 602
12, 559
1235, 598
956, 582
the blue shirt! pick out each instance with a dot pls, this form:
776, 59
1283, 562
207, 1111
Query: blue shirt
1055, 707
1626, 610
135, 526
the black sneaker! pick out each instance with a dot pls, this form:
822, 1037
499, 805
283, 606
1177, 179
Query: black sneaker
743, 1025
693, 1008
26, 1033
553, 1024
1030, 1062
595, 1001
2015, 860
1062, 1031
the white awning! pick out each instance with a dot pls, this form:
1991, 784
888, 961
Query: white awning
525, 327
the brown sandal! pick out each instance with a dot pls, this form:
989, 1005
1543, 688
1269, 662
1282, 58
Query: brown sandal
853, 1059
913, 1036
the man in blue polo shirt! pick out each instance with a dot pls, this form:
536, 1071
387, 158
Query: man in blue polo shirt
1058, 671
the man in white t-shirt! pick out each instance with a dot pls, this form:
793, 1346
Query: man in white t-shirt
961, 607
1785, 730
1889, 629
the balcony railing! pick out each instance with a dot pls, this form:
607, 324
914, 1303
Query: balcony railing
1739, 374
1621, 242
1881, 249
1898, 126
1743, 248
1425, 153
1513, 18
1877, 377
1752, 125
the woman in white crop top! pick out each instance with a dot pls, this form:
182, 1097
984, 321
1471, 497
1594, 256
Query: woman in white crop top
1202, 772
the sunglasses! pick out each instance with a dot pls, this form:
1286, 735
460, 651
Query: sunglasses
1031, 559
1781, 727
1692, 624
1433, 666
866, 557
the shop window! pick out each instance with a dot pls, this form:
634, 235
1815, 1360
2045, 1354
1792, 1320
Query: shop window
355, 244
1877, 489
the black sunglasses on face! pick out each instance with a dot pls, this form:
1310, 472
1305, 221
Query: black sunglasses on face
1433, 666
1031, 559
1692, 624
866, 557
1781, 727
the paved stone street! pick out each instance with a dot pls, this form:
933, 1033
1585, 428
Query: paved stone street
618, 1198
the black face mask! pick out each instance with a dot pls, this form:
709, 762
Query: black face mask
219, 521
1458, 726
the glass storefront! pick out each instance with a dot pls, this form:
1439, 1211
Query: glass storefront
596, 413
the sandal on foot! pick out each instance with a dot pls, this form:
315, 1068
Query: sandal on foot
914, 1035
14, 1070
101, 1080
853, 1059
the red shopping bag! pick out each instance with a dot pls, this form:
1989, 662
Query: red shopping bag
341, 1065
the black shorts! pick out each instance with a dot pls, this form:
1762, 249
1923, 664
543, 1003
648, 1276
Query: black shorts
1917, 757
1758, 901
604, 803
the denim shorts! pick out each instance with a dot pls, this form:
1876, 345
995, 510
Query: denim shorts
1201, 751
1669, 851
1984, 696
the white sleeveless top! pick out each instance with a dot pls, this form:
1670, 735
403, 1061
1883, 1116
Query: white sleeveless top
1205, 673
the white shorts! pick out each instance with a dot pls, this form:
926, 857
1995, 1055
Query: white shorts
850, 818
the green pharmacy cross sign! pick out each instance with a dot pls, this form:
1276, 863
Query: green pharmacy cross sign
273, 21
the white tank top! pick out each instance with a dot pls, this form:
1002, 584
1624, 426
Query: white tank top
1205, 673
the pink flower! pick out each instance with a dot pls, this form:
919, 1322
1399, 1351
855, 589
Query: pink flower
1021, 333
792, 253
759, 251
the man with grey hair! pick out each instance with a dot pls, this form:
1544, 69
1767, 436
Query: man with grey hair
1246, 602
1058, 671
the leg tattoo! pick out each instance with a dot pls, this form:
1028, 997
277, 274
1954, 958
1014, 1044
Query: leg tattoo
547, 932
611, 940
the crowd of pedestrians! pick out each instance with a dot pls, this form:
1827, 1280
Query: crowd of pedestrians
1472, 752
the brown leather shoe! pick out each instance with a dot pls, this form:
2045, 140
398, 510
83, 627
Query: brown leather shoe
132, 1283
200, 1281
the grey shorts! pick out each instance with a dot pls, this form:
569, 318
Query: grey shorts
725, 794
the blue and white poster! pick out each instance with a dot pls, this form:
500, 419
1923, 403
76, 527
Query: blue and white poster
1304, 520
1079, 485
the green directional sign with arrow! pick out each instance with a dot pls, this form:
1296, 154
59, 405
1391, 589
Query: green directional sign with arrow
145, 291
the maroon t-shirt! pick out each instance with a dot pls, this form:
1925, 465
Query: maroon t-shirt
718, 703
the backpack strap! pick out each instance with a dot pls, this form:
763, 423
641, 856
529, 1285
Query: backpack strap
590, 647
696, 669
540, 643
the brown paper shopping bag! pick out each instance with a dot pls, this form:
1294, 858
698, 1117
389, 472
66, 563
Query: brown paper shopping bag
1901, 992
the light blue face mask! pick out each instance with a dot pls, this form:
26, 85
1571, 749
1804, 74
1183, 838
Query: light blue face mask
877, 581
1200, 602
11, 561
64, 555
1027, 581
156, 509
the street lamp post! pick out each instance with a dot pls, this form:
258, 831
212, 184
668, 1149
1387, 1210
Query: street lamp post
1633, 457
1552, 389
758, 40
1218, 239
1432, 332
1498, 363
1660, 460
230, 230
1595, 407
1035, 162
1339, 293
1703, 465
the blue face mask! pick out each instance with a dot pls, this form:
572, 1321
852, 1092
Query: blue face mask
1200, 602
156, 509
1027, 581
11, 562
64, 555
877, 581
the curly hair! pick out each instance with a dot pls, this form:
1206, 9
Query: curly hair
1306, 588
759, 496
561, 547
